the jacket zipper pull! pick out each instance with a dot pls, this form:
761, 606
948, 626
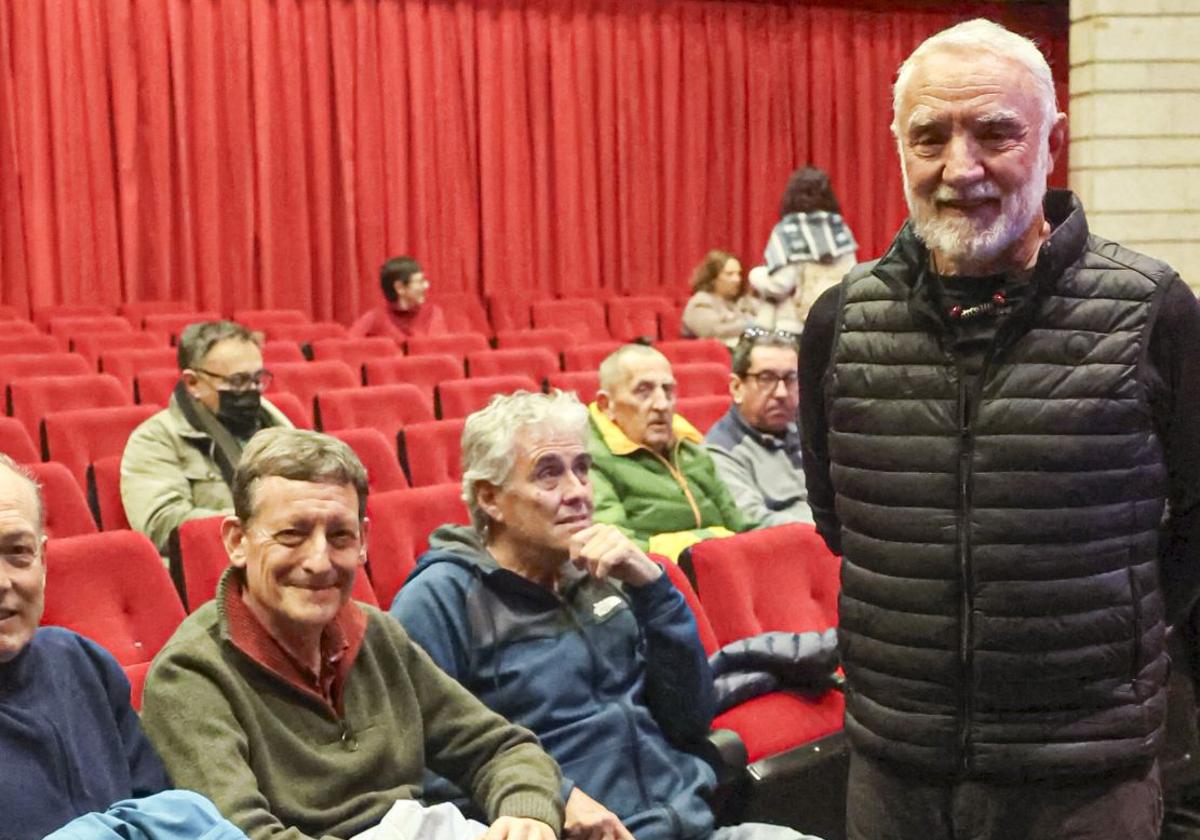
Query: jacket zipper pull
349, 739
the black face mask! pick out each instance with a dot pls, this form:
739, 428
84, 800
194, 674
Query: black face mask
238, 411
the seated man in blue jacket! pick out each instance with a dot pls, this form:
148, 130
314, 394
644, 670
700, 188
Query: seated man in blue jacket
568, 628
70, 742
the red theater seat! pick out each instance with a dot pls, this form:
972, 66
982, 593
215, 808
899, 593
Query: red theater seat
463, 312
387, 408
426, 372
66, 328
509, 312
135, 312
154, 386
401, 522
16, 443
433, 451
378, 455
299, 413
113, 589
461, 397
701, 379
24, 365
33, 398
694, 350
556, 341
281, 352
355, 351
262, 319
104, 493
306, 379
703, 412
585, 383
635, 317
457, 345
11, 327
581, 316
25, 344
93, 345
82, 436
67, 512
588, 356
304, 333
537, 362
173, 323
42, 315
125, 364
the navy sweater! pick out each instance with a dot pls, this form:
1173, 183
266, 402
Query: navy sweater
70, 742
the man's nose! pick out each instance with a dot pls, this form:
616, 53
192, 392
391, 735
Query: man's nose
660, 401
961, 164
318, 555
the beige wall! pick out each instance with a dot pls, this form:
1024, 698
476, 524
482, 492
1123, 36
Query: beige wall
1135, 124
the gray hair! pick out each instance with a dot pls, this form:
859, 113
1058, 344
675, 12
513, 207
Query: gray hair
612, 369
760, 338
490, 435
988, 36
298, 455
39, 498
199, 338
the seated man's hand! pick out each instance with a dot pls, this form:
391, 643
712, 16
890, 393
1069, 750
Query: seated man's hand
604, 552
587, 819
519, 828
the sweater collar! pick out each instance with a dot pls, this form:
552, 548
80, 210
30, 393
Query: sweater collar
620, 444
788, 441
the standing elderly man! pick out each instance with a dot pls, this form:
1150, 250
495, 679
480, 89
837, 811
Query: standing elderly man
567, 627
301, 713
653, 478
996, 414
178, 464
756, 445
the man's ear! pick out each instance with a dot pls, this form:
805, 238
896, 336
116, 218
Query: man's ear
735, 388
234, 537
486, 495
190, 380
364, 530
1057, 140
604, 403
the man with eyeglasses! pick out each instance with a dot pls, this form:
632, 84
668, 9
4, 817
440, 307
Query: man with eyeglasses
302, 713
178, 465
756, 445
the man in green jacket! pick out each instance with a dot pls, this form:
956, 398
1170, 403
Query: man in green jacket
178, 465
301, 713
651, 473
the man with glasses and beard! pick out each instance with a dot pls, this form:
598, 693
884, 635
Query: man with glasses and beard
178, 465
756, 445
1001, 437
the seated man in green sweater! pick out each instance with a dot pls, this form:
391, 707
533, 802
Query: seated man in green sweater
651, 474
301, 713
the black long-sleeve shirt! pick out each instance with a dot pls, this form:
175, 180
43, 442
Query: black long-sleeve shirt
1175, 355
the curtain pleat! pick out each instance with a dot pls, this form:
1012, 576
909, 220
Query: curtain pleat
272, 153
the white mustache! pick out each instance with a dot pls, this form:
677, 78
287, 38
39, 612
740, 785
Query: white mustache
975, 192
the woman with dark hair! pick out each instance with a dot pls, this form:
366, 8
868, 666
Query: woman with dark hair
719, 306
811, 248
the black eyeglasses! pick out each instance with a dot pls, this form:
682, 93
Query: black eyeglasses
768, 380
259, 380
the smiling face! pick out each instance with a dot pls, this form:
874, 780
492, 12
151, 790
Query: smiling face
300, 552
970, 131
22, 566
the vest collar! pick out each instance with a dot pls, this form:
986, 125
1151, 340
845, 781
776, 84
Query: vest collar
620, 444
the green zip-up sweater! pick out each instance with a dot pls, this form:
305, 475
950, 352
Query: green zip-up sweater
281, 765
663, 504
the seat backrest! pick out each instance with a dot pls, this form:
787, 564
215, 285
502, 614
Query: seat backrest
378, 454
582, 316
154, 386
113, 589
67, 512
401, 522
508, 311
537, 362
33, 398
281, 352
104, 493
42, 315
704, 629
634, 317
300, 414
304, 333
92, 345
11, 327
306, 379
670, 324
260, 319
432, 451
701, 379
423, 371
457, 345
354, 351
77, 437
125, 364
585, 383
21, 365
173, 323
690, 350
464, 312
588, 356
387, 408
16, 443
461, 397
703, 412
554, 340
68, 326
198, 551
781, 578
135, 311
27, 345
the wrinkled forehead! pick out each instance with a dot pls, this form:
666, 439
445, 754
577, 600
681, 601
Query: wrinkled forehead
980, 84
648, 368
773, 358
548, 439
20, 513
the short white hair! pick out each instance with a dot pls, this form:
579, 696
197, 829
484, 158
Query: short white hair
989, 36
489, 438
612, 369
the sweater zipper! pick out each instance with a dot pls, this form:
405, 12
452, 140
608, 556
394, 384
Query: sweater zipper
682, 482
965, 651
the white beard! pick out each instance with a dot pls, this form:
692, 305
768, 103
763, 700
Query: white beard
960, 239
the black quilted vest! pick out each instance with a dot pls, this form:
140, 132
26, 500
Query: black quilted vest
1000, 613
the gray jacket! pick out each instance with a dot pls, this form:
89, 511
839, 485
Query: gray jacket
763, 472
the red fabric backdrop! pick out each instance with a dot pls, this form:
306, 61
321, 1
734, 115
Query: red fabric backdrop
274, 152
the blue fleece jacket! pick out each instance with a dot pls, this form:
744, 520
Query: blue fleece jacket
611, 679
70, 742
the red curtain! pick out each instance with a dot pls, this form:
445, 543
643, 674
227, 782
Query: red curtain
273, 152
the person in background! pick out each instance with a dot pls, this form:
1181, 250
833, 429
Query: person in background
810, 249
404, 312
756, 445
178, 464
719, 306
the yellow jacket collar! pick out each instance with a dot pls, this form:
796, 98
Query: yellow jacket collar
620, 444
